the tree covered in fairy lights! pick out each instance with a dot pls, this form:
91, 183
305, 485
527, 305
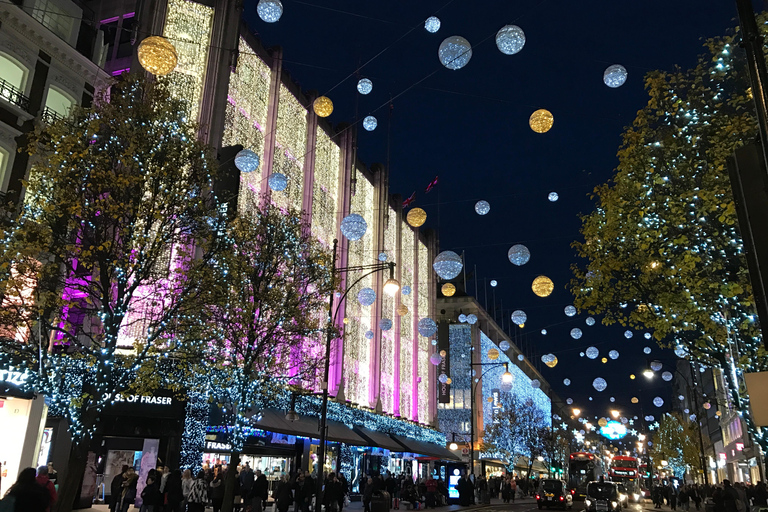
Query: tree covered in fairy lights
106, 256
662, 248
676, 441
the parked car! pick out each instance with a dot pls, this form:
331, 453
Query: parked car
553, 493
602, 497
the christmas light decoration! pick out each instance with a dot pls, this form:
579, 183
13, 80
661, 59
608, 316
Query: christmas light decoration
432, 24
666, 376
416, 217
369, 335
454, 52
504, 345
647, 350
366, 297
370, 123
402, 310
569, 311
553, 197
323, 106
634, 400
472, 320
385, 324
613, 354
448, 265
406, 290
656, 365
542, 286
494, 283
493, 354
658, 401
647, 335
520, 357
541, 121
518, 254
482, 207
592, 352
269, 10
277, 182
544, 332
590, 321
519, 317
462, 318
247, 161
448, 290
628, 334
353, 226
427, 327
157, 55
615, 76
364, 86
576, 333
599, 384
510, 39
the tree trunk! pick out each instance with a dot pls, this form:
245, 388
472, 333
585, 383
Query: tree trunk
230, 483
69, 488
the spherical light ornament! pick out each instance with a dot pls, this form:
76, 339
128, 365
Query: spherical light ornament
493, 354
353, 226
370, 123
520, 357
494, 283
427, 327
604, 360
346, 320
707, 405
448, 290
658, 401
552, 362
602, 422
718, 414
385, 324
632, 376
655, 366
599, 384
542, 286
435, 358
628, 334
544, 332
647, 350
634, 400
519, 317
567, 382
383, 257
541, 121
432, 24
416, 217
680, 351
369, 335
462, 318
510, 39
269, 10
406, 290
615, 76
535, 384
569, 311
366, 297
569, 401
454, 52
323, 106
277, 182
553, 197
448, 265
576, 333
402, 310
519, 254
680, 397
364, 86
504, 345
667, 376
613, 354
433, 341
157, 55
482, 207
592, 353
590, 321
247, 161
581, 354
647, 335
443, 378
472, 320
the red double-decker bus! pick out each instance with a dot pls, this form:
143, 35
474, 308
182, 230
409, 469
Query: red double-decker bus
625, 470
583, 468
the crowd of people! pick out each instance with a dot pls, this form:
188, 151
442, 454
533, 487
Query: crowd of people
725, 497
33, 491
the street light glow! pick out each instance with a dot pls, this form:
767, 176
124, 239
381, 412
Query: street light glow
391, 287
454, 446
576, 411
648, 373
615, 414
507, 378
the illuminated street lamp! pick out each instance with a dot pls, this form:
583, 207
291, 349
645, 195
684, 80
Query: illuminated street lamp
576, 411
615, 414
648, 373
453, 446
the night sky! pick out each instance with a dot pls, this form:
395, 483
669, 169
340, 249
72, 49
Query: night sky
470, 128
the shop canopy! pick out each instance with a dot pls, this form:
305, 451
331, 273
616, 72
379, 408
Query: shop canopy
427, 449
307, 426
378, 439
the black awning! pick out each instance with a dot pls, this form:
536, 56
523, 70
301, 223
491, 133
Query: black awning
274, 421
424, 448
378, 439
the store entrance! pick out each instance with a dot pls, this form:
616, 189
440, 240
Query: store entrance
23, 422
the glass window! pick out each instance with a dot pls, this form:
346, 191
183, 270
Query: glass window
4, 163
12, 72
54, 18
59, 102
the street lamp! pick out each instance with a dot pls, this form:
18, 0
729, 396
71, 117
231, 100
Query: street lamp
615, 414
648, 373
506, 385
576, 411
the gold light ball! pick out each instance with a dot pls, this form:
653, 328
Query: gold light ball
542, 286
157, 55
707, 405
448, 289
552, 362
632, 376
604, 360
634, 400
489, 399
443, 353
416, 217
718, 414
323, 106
602, 422
346, 321
493, 354
402, 310
541, 121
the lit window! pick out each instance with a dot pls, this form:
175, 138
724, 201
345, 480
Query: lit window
59, 102
13, 73
54, 17
4, 167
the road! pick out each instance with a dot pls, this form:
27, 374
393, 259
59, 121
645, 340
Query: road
578, 506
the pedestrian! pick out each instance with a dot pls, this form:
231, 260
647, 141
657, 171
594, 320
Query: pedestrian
115, 489
53, 474
431, 494
150, 495
512, 489
198, 494
174, 493
26, 495
217, 489
331, 493
45, 482
129, 489
260, 492
246, 478
186, 486
283, 495
760, 495
344, 489
368, 495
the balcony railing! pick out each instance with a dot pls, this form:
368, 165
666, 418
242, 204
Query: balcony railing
50, 116
13, 95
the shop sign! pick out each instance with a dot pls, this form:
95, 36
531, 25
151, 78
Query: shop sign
13, 377
216, 446
143, 399
443, 343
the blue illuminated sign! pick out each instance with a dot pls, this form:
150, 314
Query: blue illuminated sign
613, 430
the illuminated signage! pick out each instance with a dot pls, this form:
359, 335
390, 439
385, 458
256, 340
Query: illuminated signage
623, 472
142, 399
13, 377
613, 430
213, 445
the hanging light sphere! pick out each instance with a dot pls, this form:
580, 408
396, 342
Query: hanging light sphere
666, 376
369, 335
535, 384
569, 401
435, 358
656, 365
416, 217
433, 341
718, 413
427, 327
590, 321
346, 320
542, 286
157, 55
448, 290
402, 310
449, 381
628, 334
520, 357
680, 397
364, 86
482, 207
576, 333
613, 354
454, 52
519, 317
406, 290
680, 351
432, 24
269, 10
647, 335
604, 360
353, 226
443, 353
552, 362
519, 254
472, 319
370, 123
553, 197
602, 422
634, 400
510, 39
385, 324
592, 353
277, 182
599, 384
443, 378
543, 332
567, 382
647, 350
707, 405
541, 121
494, 283
366, 297
247, 161
658, 401
581, 354
615, 76
323, 106
569, 311
447, 265
462, 318
493, 354
504, 345
383, 257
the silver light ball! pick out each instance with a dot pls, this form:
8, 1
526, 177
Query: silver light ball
364, 86
247, 161
553, 196
277, 182
519, 254
353, 226
448, 265
427, 327
615, 76
269, 10
454, 52
482, 207
432, 24
370, 123
510, 39
366, 297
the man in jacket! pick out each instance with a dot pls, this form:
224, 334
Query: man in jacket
260, 491
246, 484
116, 489
44, 481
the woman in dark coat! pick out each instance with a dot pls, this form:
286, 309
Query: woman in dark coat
173, 491
26, 494
217, 489
283, 495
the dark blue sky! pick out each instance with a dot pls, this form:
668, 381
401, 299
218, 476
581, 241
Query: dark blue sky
470, 127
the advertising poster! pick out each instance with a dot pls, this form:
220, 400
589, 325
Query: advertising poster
148, 461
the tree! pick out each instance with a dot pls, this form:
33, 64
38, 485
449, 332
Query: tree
107, 254
676, 442
662, 248
271, 285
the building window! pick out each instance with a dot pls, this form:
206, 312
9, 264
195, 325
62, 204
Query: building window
58, 102
54, 18
12, 72
4, 168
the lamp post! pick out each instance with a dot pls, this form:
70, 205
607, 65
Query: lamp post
506, 382
391, 287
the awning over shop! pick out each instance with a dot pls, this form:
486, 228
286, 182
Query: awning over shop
423, 448
378, 439
274, 421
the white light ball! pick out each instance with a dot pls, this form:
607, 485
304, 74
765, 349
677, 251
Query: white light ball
448, 265
369, 335
520, 357
383, 256
590, 321
472, 319
615, 76
434, 342
443, 378
277, 182
581, 354
432, 24
482, 207
510, 39
569, 401
269, 10
427, 327
494, 283
454, 52
366, 297
666, 376
370, 123
612, 399
247, 161
655, 366
519, 317
599, 384
647, 335
628, 334
364, 86
681, 351
462, 318
567, 382
406, 290
353, 226
519, 254
658, 402
569, 311
576, 333
592, 353
535, 384
647, 350
613, 354
435, 358
544, 332
553, 197
504, 345
385, 324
